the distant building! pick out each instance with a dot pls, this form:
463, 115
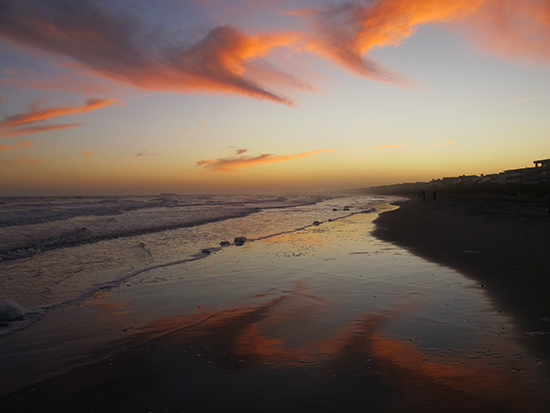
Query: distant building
453, 181
542, 170
444, 182
520, 176
490, 179
468, 179
538, 174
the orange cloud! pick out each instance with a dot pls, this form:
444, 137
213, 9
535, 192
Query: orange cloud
87, 153
345, 32
388, 146
445, 144
22, 161
38, 115
36, 129
21, 144
17, 125
233, 163
126, 50
513, 29
26, 78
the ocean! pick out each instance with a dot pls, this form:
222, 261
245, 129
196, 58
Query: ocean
55, 250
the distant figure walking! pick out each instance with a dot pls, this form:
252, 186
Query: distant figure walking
423, 195
435, 195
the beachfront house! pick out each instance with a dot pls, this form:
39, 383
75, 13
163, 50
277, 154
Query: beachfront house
542, 170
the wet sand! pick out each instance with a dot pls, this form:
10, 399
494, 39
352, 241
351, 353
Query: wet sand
502, 244
325, 319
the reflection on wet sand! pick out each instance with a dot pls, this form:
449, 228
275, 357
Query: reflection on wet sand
268, 356
323, 320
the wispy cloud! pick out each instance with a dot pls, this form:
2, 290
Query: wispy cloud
344, 33
32, 79
123, 48
44, 114
23, 123
389, 146
144, 154
22, 161
513, 29
234, 163
21, 144
87, 153
445, 144
203, 130
527, 99
8, 133
239, 151
193, 132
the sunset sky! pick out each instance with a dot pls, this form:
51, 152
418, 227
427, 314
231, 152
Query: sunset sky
244, 96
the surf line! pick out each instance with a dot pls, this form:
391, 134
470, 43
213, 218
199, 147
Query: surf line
34, 314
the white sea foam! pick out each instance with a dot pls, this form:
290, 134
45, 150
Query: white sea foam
14, 317
31, 226
10, 310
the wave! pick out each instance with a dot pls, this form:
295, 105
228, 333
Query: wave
34, 225
13, 317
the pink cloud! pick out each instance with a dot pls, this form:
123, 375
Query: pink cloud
21, 144
122, 48
39, 115
87, 153
23, 123
26, 78
513, 29
344, 33
234, 163
35, 129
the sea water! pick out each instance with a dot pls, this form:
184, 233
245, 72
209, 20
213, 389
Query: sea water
55, 250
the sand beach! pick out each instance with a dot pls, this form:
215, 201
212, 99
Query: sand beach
371, 312
501, 243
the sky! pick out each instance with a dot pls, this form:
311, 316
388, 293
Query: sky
138, 97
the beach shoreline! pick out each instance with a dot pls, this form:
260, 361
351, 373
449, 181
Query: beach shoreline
327, 318
502, 244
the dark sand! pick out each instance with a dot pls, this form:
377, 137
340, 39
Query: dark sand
503, 244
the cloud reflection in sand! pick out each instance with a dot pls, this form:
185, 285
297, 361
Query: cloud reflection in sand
295, 332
